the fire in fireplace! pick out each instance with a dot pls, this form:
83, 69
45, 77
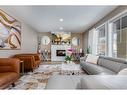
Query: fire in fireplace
60, 52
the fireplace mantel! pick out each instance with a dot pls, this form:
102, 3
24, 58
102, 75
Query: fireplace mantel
54, 57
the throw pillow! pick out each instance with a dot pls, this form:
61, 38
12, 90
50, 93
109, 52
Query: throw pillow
92, 59
123, 72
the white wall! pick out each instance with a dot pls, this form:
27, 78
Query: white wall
28, 39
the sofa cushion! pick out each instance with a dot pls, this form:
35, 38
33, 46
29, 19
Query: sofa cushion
96, 69
7, 77
91, 82
63, 82
113, 64
104, 82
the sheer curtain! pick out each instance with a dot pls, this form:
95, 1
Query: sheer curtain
92, 41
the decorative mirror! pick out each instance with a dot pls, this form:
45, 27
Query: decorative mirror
75, 41
45, 40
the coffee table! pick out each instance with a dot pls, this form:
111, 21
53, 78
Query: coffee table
70, 69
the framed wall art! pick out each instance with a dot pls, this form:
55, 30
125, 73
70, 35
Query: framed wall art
10, 32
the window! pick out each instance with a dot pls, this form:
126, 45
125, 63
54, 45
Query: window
101, 44
116, 32
110, 38
119, 37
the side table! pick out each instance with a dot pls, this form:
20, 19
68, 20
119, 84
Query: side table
22, 68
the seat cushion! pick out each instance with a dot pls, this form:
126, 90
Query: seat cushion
96, 69
91, 82
63, 82
7, 77
104, 82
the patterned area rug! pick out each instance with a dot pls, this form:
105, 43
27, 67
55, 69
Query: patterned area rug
38, 78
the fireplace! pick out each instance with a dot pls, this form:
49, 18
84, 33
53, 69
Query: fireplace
60, 52
55, 52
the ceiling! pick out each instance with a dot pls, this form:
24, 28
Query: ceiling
46, 18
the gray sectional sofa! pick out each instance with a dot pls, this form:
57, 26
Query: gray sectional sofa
100, 76
105, 66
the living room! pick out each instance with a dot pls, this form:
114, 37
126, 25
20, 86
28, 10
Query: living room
51, 47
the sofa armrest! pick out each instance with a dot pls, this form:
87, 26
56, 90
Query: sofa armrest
36, 56
9, 65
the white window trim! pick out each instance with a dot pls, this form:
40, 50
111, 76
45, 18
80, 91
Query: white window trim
92, 42
120, 15
110, 40
90, 39
106, 35
110, 21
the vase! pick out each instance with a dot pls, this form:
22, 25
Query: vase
68, 62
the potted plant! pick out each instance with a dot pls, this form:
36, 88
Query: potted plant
68, 57
88, 50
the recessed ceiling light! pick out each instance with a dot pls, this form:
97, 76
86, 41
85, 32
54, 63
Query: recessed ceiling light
61, 28
61, 19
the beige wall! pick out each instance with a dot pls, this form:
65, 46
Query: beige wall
78, 35
85, 40
47, 47
28, 39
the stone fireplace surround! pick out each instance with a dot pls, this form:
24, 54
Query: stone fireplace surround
54, 48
